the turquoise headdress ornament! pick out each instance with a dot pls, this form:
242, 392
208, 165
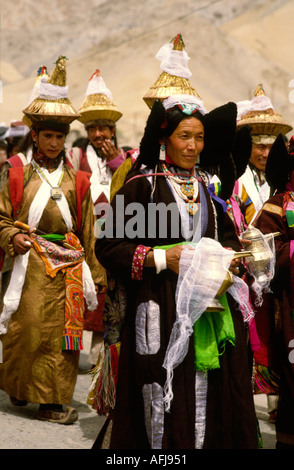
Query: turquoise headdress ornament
188, 104
188, 108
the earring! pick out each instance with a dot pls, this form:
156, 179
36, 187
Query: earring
162, 152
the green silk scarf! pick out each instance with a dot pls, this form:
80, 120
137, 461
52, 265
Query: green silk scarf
212, 331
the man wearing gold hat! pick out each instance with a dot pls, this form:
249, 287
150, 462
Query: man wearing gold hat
254, 190
46, 225
100, 156
265, 123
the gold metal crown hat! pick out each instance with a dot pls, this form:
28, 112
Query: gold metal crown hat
261, 116
52, 102
168, 83
98, 103
42, 74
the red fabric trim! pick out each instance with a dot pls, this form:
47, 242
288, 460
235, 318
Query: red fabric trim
83, 162
67, 160
138, 262
82, 186
93, 321
16, 183
15, 161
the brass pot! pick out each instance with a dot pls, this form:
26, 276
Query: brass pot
259, 263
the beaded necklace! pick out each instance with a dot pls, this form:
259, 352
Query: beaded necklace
186, 188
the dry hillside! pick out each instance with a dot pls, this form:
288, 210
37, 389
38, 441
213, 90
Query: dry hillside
233, 45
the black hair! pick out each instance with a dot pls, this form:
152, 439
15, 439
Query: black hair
52, 125
279, 165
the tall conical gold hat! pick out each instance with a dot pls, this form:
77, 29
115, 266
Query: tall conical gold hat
52, 102
98, 102
169, 84
261, 116
42, 74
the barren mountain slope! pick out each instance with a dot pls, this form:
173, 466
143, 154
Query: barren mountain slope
230, 54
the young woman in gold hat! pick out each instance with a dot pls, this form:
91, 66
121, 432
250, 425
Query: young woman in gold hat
46, 225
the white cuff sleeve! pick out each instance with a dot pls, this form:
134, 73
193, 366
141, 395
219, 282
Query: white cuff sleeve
159, 260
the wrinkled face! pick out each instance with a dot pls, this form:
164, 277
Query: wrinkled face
98, 134
50, 143
259, 154
186, 143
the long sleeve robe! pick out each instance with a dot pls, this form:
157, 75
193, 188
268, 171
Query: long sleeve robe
139, 420
34, 366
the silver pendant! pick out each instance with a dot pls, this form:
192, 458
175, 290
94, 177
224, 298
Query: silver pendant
56, 193
104, 180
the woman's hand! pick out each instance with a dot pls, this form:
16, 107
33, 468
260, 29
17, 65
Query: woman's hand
235, 263
245, 242
21, 243
173, 256
234, 266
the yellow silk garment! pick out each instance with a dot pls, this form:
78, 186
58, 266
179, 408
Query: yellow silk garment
34, 366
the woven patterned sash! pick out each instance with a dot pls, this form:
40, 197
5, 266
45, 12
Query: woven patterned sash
57, 258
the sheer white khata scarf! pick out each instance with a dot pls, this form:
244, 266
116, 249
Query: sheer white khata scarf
14, 290
173, 62
202, 270
201, 273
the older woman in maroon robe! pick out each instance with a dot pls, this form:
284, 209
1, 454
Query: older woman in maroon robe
211, 405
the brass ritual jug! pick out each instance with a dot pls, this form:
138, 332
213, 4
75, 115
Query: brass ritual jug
259, 263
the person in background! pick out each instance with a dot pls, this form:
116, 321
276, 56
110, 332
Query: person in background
3, 153
14, 135
47, 228
22, 153
253, 191
277, 216
265, 124
100, 156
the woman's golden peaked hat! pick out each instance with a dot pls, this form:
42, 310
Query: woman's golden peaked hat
168, 84
52, 102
